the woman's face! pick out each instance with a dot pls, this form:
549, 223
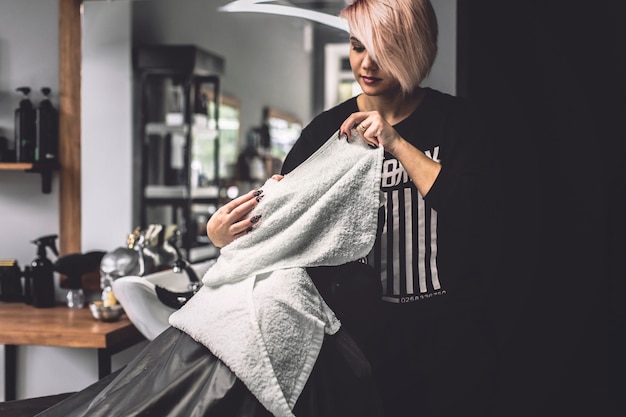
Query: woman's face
373, 80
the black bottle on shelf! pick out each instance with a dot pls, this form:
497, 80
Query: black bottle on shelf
28, 281
25, 128
10, 281
47, 134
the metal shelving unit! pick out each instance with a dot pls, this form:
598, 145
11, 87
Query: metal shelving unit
179, 113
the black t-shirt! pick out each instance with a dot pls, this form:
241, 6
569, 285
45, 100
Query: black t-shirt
428, 250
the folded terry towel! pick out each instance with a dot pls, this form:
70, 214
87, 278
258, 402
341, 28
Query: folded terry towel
258, 310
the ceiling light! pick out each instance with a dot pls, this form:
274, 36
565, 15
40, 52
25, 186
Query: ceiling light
259, 6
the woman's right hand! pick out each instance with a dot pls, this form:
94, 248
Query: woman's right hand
229, 221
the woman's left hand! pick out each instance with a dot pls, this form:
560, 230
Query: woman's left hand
375, 130
372, 128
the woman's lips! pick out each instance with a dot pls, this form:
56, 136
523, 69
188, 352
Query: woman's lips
369, 80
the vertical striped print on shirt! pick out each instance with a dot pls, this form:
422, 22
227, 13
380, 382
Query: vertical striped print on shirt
405, 253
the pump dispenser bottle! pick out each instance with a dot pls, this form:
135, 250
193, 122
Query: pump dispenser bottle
42, 273
47, 123
25, 130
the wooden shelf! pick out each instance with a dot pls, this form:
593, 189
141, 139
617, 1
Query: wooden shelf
27, 166
16, 166
44, 168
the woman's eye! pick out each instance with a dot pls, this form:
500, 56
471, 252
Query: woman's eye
358, 48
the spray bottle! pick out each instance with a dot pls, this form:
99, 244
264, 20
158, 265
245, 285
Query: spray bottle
42, 273
25, 129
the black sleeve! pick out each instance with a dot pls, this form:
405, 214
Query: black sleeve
468, 184
316, 133
308, 142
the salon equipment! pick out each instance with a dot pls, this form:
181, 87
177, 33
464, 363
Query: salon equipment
74, 266
144, 307
159, 245
106, 313
47, 129
122, 261
42, 273
178, 299
4, 150
25, 128
181, 264
133, 259
145, 252
10, 281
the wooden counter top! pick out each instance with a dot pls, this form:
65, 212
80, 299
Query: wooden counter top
23, 324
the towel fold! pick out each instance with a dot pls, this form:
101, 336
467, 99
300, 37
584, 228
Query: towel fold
258, 310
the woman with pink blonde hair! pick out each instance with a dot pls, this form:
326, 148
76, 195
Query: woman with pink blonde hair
429, 346
427, 343
393, 301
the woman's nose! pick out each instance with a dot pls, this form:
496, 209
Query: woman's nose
368, 63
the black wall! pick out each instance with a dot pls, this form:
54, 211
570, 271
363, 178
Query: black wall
550, 76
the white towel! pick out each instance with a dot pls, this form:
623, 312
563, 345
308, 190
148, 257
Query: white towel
258, 310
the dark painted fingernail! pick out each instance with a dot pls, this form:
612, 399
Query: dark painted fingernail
257, 193
249, 229
259, 198
255, 218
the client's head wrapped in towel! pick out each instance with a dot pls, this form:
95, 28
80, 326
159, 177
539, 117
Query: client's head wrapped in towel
258, 311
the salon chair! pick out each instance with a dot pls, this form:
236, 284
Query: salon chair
31, 406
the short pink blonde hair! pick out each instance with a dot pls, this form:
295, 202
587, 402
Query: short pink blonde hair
399, 35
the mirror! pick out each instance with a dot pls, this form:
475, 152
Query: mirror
277, 68
282, 68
